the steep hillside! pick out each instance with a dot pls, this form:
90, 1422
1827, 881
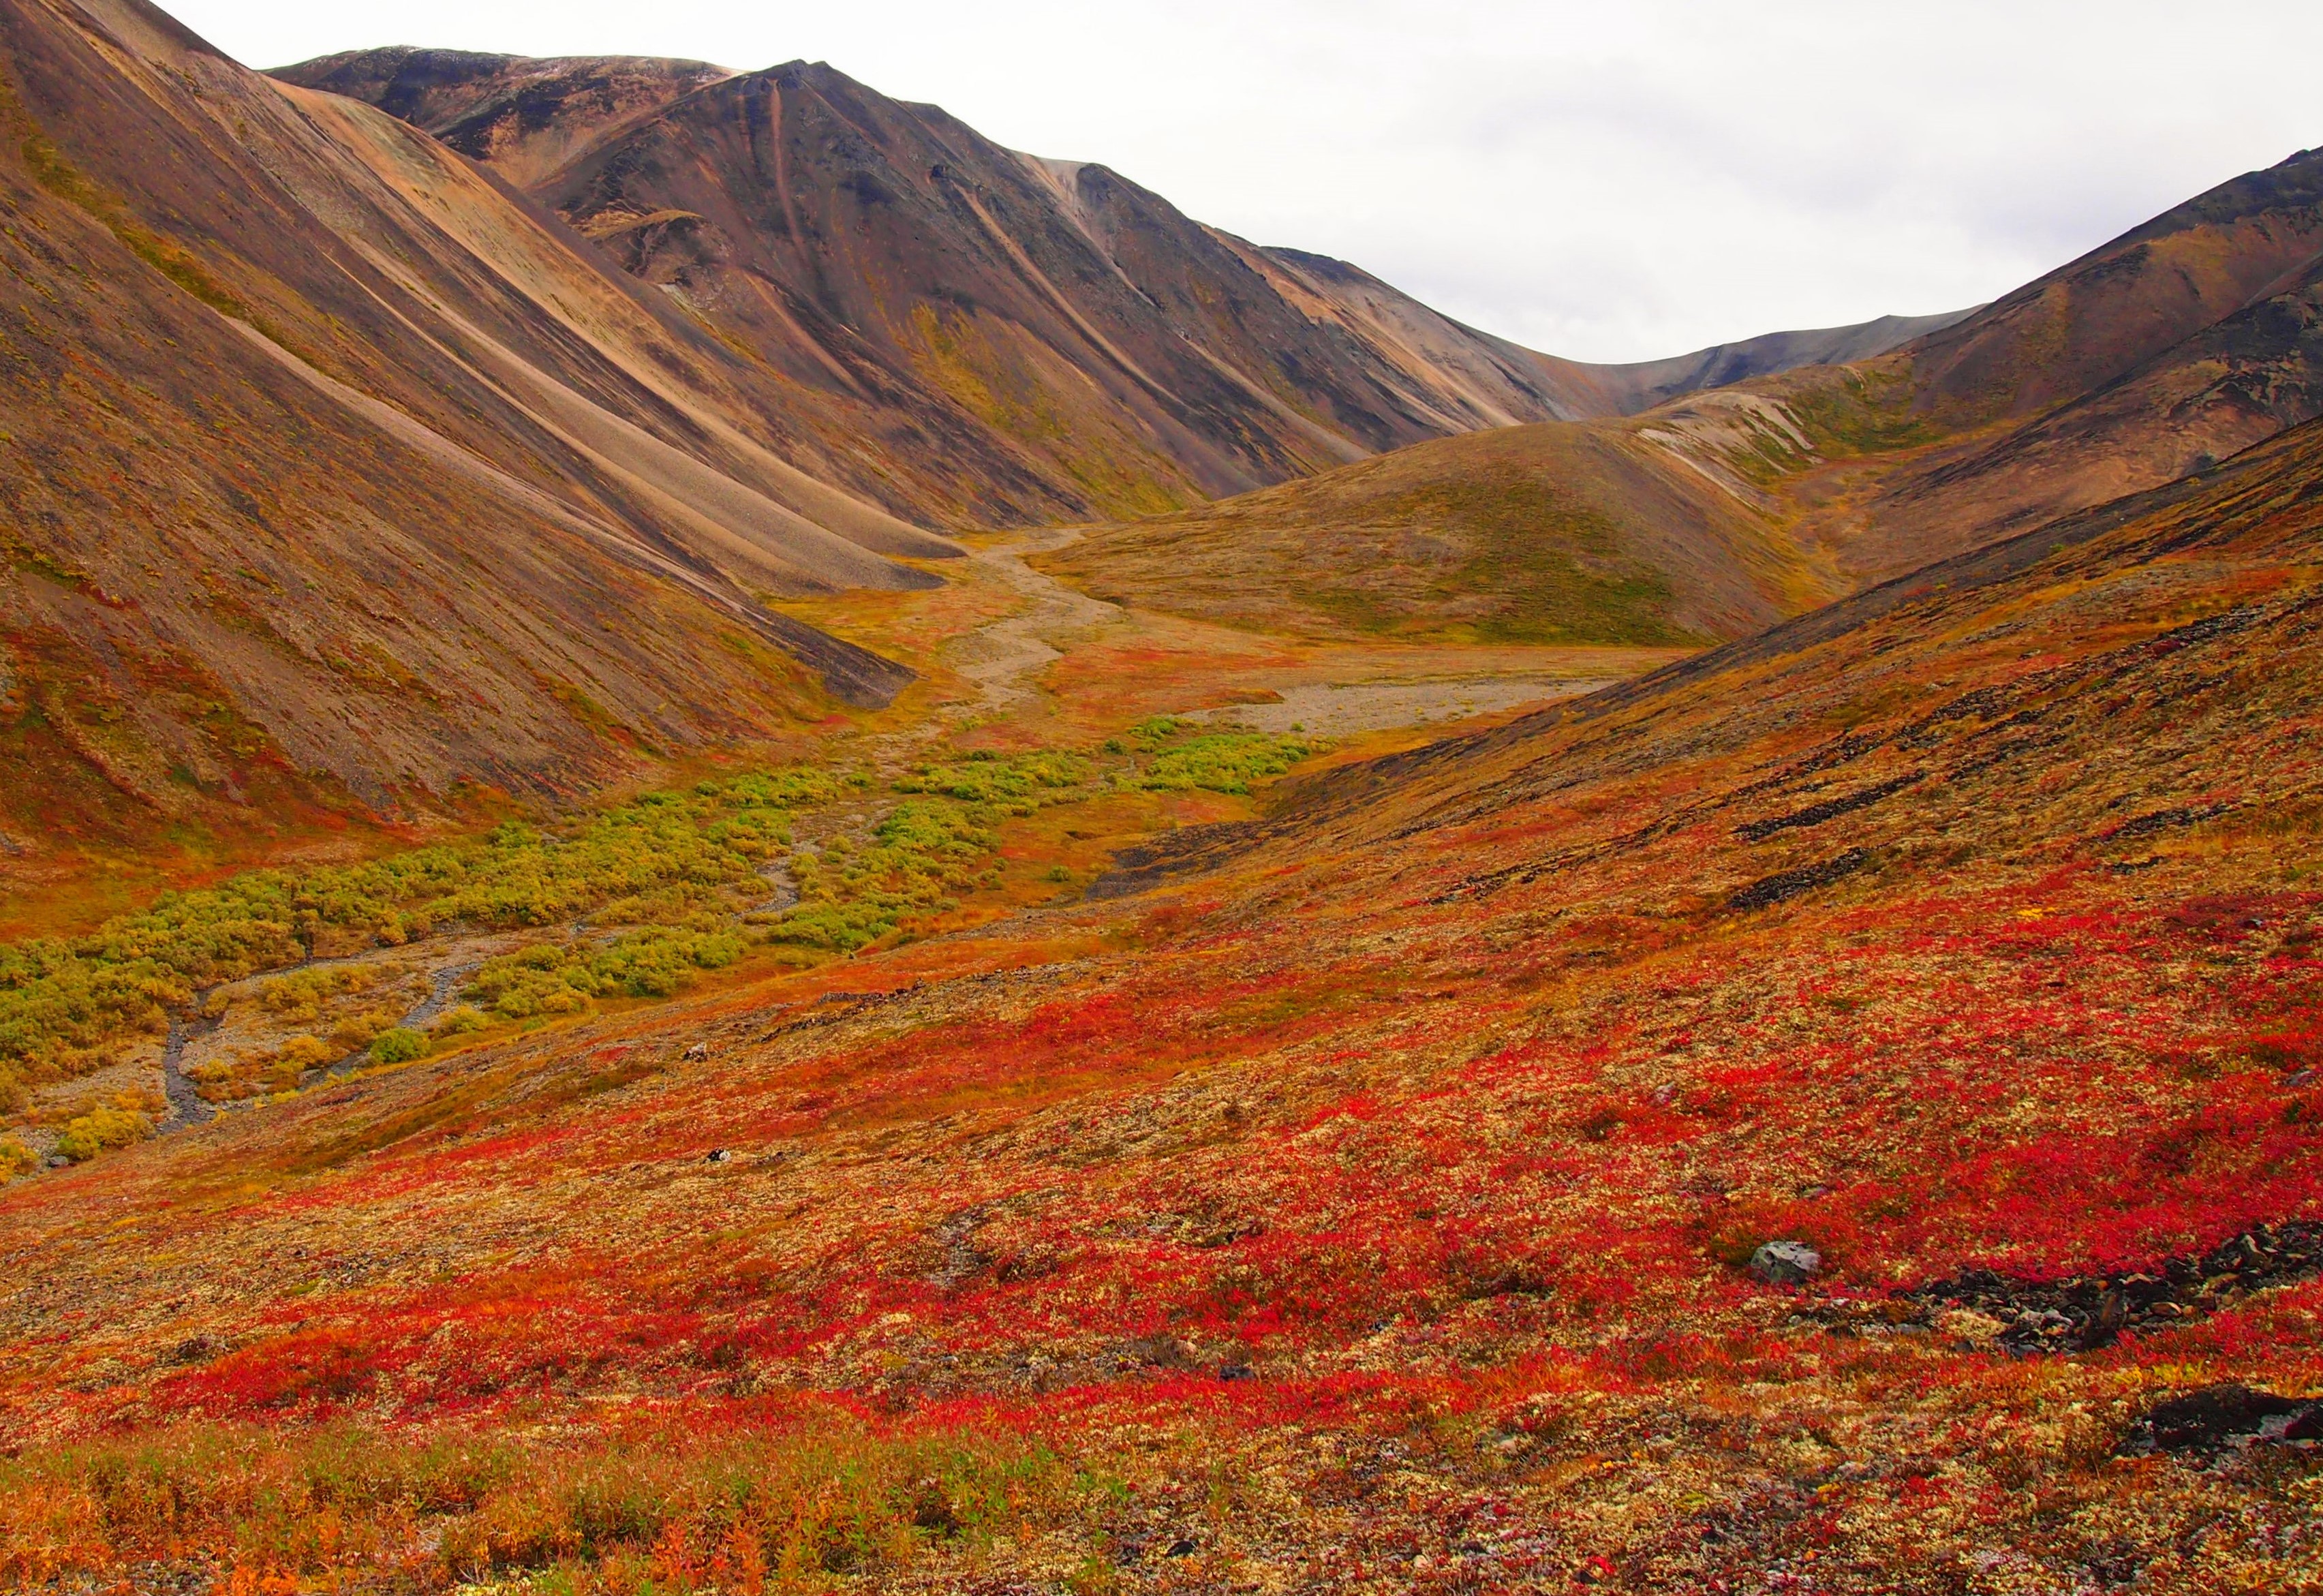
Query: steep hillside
2182, 343
1073, 344
2095, 319
2217, 390
1387, 1186
336, 470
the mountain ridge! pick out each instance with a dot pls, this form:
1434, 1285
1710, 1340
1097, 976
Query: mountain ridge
1081, 263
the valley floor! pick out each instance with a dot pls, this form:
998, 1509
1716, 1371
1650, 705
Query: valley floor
1355, 1183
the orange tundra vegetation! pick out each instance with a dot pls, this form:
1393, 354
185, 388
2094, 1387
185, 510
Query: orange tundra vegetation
1364, 1194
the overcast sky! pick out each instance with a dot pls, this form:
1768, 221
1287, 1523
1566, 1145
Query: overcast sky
1615, 179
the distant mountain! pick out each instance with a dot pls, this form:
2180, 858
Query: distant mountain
1508, 381
1076, 345
1715, 513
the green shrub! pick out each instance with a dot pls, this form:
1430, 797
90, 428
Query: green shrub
398, 1044
108, 1125
63, 1000
460, 1021
922, 852
551, 978
1018, 784
1224, 762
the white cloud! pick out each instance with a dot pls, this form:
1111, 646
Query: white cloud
1606, 181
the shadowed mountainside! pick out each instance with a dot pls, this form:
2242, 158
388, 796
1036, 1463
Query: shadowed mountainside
2181, 343
1081, 346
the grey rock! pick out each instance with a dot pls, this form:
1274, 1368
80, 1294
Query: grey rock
1785, 1263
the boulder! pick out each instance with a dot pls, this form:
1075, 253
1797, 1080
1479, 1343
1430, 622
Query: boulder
1785, 1263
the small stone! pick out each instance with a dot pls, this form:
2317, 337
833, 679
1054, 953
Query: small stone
2305, 1077
700, 1049
1180, 1549
1785, 1263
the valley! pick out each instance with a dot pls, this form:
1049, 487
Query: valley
745, 847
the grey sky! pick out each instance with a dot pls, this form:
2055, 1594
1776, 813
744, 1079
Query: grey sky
1612, 180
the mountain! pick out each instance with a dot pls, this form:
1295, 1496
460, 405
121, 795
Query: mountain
1080, 346
344, 474
527, 118
2183, 341
337, 471
1715, 513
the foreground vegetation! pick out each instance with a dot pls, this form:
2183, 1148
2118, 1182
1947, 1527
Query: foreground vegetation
1375, 1199
767, 1506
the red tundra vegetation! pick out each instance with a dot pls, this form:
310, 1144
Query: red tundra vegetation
1362, 1197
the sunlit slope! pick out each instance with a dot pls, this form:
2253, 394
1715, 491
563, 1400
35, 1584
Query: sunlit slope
335, 469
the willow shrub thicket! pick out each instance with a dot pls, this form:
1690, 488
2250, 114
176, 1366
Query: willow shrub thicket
63, 1001
666, 865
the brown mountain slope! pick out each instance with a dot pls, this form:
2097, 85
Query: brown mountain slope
2099, 317
2225, 386
330, 462
1080, 346
2185, 341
